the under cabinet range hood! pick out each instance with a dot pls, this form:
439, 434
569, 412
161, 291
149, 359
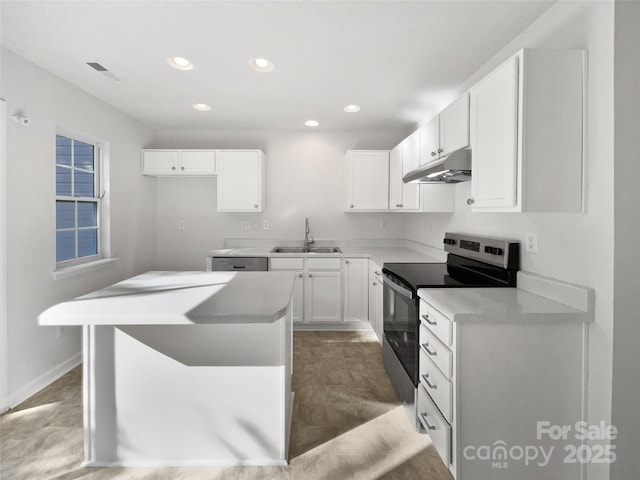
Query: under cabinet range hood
452, 168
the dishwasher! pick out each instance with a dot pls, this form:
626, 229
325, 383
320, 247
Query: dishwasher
239, 264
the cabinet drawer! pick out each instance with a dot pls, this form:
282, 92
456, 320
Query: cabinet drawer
439, 387
324, 263
436, 351
440, 325
286, 263
435, 425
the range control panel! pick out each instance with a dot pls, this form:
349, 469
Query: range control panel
494, 250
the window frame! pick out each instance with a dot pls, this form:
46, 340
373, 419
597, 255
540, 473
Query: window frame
99, 198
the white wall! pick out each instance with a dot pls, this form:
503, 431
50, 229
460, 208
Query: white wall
575, 248
626, 329
34, 352
304, 178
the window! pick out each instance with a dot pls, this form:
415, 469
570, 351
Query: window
78, 202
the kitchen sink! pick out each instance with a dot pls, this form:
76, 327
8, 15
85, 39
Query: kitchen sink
306, 250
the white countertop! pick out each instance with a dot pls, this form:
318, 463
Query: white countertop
511, 305
180, 298
379, 255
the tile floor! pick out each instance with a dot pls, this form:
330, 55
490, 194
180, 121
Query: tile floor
347, 424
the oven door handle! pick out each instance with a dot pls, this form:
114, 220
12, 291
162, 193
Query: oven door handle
398, 288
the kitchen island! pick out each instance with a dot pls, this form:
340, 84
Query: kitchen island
186, 368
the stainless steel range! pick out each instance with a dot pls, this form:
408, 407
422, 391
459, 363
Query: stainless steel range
472, 261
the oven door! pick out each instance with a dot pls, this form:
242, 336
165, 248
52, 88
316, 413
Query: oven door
400, 324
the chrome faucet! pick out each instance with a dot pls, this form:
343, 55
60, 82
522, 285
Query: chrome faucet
307, 242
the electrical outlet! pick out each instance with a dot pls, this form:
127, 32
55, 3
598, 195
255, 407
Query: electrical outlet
531, 242
265, 224
246, 225
181, 225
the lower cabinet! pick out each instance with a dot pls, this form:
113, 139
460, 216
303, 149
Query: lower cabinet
485, 386
328, 289
375, 298
323, 296
355, 285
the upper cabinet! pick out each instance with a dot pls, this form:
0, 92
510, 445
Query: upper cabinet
178, 162
367, 181
240, 180
527, 134
446, 132
454, 126
402, 159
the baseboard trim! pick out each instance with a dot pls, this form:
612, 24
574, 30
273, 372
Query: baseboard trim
345, 326
40, 382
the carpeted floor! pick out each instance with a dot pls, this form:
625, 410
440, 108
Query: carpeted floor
347, 424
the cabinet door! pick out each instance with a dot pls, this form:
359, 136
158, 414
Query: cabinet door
375, 298
240, 180
367, 180
395, 178
202, 162
298, 298
159, 162
454, 126
429, 139
355, 287
494, 129
410, 161
323, 296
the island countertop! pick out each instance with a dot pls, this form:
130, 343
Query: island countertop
180, 298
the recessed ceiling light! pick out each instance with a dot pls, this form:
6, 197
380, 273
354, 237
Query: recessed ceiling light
352, 108
203, 107
262, 65
180, 63
312, 123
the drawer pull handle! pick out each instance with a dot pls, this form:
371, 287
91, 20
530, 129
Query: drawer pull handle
424, 417
425, 379
430, 322
433, 353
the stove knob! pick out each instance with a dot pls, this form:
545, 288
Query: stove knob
488, 250
498, 251
449, 241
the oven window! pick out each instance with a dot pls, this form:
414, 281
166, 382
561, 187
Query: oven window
400, 323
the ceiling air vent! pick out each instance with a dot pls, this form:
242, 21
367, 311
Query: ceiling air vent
99, 68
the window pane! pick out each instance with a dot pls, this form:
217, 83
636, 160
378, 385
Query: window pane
87, 214
83, 155
87, 242
65, 214
83, 184
63, 181
63, 150
65, 245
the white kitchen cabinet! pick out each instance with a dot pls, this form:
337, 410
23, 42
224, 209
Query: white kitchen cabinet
489, 383
317, 290
429, 140
156, 162
297, 300
323, 302
367, 181
355, 288
446, 132
402, 159
296, 265
527, 134
240, 180
375, 298
454, 126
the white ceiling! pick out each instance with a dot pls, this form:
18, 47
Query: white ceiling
399, 60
